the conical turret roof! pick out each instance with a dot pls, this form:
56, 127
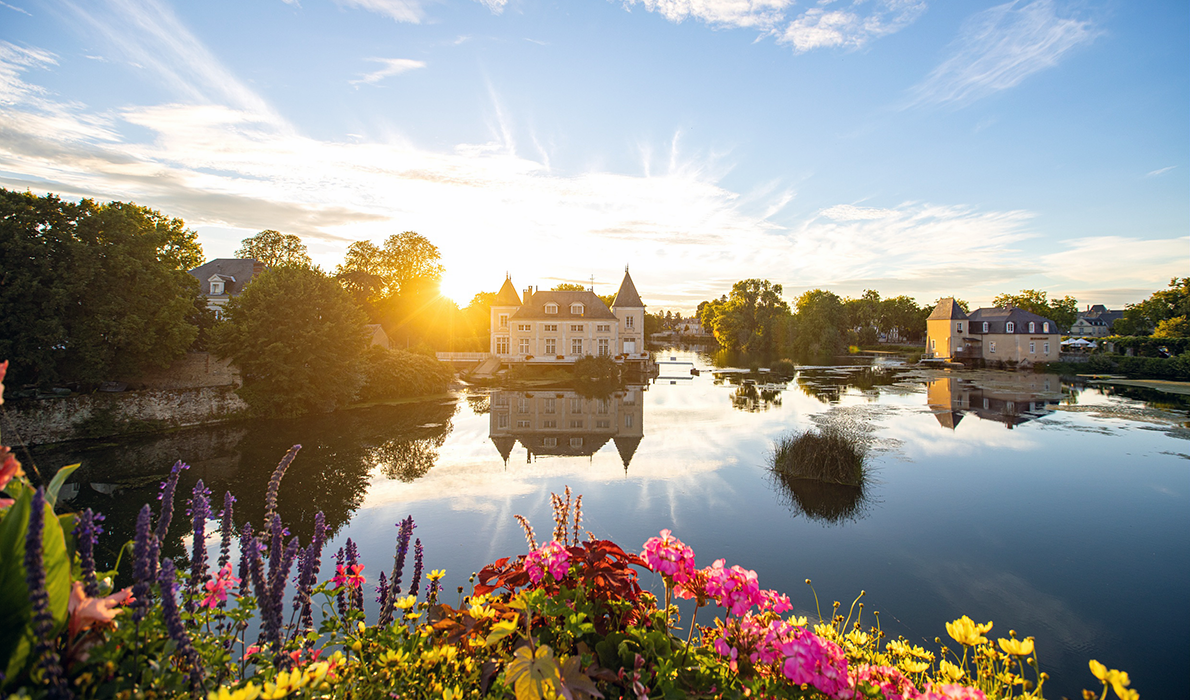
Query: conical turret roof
627, 296
504, 445
507, 296
947, 308
626, 446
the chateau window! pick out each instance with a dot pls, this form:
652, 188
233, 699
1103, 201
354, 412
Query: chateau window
551, 346
1032, 347
629, 322
985, 326
524, 346
958, 327
504, 320
522, 405
550, 328
576, 309
216, 288
992, 347
1032, 327
502, 345
1010, 328
218, 314
549, 442
549, 424
502, 420
603, 424
604, 347
576, 405
576, 328
576, 442
603, 328
576, 424
628, 420
602, 407
523, 327
522, 424
576, 346
1046, 348
551, 308
551, 406
1045, 327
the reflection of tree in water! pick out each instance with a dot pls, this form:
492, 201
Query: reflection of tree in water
480, 404
829, 385
750, 398
407, 460
331, 473
822, 501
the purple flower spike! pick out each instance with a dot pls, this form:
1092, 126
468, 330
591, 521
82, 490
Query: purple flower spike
45, 653
404, 532
227, 528
270, 496
200, 510
143, 566
87, 533
168, 487
174, 625
417, 562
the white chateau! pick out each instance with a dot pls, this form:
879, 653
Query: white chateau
548, 327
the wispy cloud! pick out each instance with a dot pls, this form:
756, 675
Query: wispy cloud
850, 27
998, 48
389, 67
14, 8
412, 11
1160, 171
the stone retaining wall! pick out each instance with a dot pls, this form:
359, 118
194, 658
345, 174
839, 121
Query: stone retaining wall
103, 414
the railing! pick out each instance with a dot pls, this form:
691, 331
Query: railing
462, 356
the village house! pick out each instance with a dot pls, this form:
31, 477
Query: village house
561, 327
1095, 322
224, 278
995, 335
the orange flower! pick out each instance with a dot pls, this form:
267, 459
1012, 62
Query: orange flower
87, 612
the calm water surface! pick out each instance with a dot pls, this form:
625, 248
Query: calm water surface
1057, 511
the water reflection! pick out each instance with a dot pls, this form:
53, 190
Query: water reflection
564, 423
821, 501
1011, 399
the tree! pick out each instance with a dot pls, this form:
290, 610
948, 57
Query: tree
747, 319
297, 339
275, 249
819, 324
1144, 317
1063, 312
569, 287
902, 318
92, 292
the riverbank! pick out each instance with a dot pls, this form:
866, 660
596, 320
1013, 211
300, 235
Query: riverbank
1165, 385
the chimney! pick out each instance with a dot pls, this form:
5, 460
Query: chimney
528, 295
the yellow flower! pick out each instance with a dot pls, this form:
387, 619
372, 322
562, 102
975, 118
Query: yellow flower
898, 647
1017, 647
798, 620
406, 603
1099, 670
436, 574
966, 631
393, 658
954, 673
858, 638
248, 692
912, 666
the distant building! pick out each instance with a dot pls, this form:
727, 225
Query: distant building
996, 334
224, 278
377, 336
549, 327
1011, 400
1095, 322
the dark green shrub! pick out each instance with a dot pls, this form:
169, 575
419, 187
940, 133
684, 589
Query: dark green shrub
784, 367
834, 454
394, 374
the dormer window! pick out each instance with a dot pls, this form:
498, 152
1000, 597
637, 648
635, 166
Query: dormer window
576, 309
217, 288
985, 326
1045, 327
1032, 327
1011, 327
551, 308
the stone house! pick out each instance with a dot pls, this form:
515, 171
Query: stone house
1095, 322
224, 278
996, 335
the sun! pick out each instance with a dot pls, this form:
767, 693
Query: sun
458, 288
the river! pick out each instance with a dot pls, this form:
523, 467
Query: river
1056, 510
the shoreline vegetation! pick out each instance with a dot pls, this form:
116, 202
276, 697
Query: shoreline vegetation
566, 619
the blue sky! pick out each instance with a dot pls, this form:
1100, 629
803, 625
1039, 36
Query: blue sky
911, 147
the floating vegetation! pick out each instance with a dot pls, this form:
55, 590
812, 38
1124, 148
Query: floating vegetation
823, 472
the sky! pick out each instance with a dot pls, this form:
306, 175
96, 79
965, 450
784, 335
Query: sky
908, 146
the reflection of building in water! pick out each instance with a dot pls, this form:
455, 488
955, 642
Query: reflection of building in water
1011, 399
563, 423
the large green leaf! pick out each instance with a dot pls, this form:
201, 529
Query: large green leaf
16, 633
51, 493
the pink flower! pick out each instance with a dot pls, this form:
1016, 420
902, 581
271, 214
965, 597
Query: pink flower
887, 679
9, 466
669, 557
551, 556
349, 576
735, 589
217, 588
3, 371
811, 659
777, 602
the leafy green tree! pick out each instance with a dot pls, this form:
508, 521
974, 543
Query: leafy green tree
92, 292
569, 287
1176, 327
747, 318
275, 249
297, 339
902, 318
1063, 312
1144, 317
864, 312
820, 324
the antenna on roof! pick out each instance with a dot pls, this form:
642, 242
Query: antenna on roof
592, 289
625, 268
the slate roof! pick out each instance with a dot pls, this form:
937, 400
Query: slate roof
593, 307
947, 308
236, 273
997, 319
627, 296
507, 296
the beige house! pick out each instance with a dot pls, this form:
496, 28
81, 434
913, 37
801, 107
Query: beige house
1095, 322
224, 278
548, 327
997, 335
1010, 399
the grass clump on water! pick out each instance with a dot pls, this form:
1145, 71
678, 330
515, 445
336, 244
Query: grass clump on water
834, 453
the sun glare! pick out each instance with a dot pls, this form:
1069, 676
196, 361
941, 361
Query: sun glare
458, 288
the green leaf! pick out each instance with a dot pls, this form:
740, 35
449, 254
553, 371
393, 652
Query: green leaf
51, 492
534, 675
16, 634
